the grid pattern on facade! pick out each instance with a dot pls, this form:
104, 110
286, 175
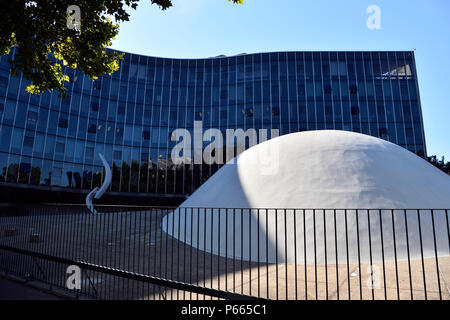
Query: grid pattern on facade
130, 115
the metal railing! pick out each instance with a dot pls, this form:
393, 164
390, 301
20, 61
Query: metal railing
232, 253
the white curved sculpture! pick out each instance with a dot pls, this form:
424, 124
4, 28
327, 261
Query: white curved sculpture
98, 192
317, 170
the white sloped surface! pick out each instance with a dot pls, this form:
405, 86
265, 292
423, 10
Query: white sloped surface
317, 170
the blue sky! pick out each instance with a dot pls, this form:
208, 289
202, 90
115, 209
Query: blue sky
206, 28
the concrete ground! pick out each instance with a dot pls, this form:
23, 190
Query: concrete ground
13, 290
343, 283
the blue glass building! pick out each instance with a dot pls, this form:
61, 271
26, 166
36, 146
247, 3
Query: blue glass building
51, 144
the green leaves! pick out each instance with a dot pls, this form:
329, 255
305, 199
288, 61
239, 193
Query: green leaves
44, 39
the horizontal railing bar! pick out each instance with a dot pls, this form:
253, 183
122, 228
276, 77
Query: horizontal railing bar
223, 208
100, 205
135, 276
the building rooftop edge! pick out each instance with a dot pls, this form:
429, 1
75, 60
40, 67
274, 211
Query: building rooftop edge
222, 56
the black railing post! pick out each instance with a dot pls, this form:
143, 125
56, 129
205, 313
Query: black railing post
370, 254
184, 250
315, 254
348, 259
395, 255
212, 246
325, 252
359, 256
250, 250
267, 253
382, 255
259, 274
304, 254
198, 245
286, 253
276, 251
436, 256
190, 250
409, 258
242, 251
421, 256
336, 255
204, 250
234, 250
294, 212
226, 249
219, 213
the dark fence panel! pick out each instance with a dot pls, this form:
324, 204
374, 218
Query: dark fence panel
231, 253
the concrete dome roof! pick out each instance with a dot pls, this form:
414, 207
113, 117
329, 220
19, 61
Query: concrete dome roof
321, 170
326, 169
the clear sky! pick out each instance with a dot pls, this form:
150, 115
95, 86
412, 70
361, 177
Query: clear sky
206, 28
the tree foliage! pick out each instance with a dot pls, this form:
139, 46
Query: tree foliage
440, 164
44, 42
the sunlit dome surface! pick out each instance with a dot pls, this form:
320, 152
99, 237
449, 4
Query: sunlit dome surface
318, 170
326, 169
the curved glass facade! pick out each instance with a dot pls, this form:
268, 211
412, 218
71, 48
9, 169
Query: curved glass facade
130, 115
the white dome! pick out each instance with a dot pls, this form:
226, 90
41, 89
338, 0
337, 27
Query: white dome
316, 170
325, 169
